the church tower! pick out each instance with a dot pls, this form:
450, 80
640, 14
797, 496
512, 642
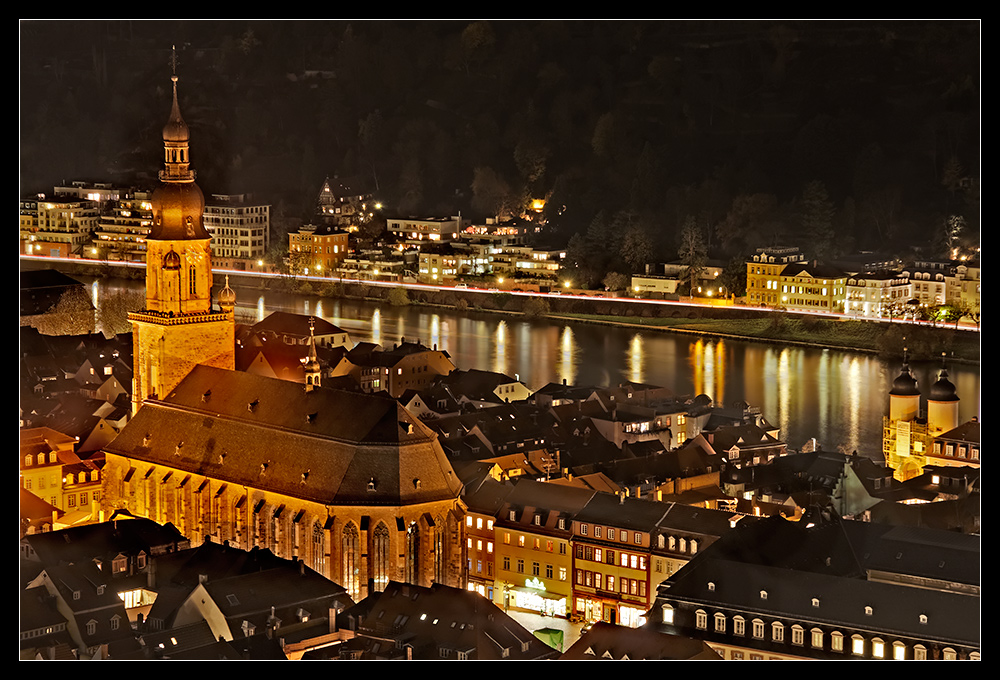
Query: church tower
178, 328
942, 405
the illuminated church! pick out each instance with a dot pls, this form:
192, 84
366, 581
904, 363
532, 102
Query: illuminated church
350, 484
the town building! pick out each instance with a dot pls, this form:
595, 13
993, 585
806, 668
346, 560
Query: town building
764, 274
407, 366
344, 204
624, 547
435, 623
240, 229
828, 589
57, 227
421, 230
123, 227
877, 295
317, 250
534, 535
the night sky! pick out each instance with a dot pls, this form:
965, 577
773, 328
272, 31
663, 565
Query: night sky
622, 125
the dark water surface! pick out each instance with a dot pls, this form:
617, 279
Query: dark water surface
835, 396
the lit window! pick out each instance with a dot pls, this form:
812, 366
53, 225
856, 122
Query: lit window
817, 638
898, 651
720, 622
667, 610
878, 648
857, 645
837, 641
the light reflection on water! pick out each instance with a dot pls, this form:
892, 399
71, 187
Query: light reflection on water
837, 397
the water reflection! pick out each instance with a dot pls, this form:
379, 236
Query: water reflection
837, 397
566, 362
500, 355
376, 334
635, 359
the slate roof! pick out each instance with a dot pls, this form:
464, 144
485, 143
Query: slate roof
321, 445
429, 620
287, 323
901, 573
606, 641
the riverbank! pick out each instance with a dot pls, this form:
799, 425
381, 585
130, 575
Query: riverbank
883, 339
887, 340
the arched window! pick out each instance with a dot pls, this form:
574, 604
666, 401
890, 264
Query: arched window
739, 625
878, 648
668, 613
318, 548
439, 556
720, 622
350, 572
758, 629
857, 645
898, 651
413, 554
837, 641
701, 619
28, 460
817, 638
380, 556
778, 631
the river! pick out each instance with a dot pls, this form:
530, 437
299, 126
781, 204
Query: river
836, 397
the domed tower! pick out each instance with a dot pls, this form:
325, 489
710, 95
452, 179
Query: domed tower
904, 397
178, 328
904, 433
227, 297
942, 405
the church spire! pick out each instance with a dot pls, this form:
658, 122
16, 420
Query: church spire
312, 366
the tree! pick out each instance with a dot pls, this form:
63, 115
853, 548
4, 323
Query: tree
536, 307
637, 248
747, 219
692, 251
72, 315
113, 310
616, 281
733, 278
815, 215
491, 194
398, 297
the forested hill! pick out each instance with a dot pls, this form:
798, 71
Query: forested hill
838, 134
